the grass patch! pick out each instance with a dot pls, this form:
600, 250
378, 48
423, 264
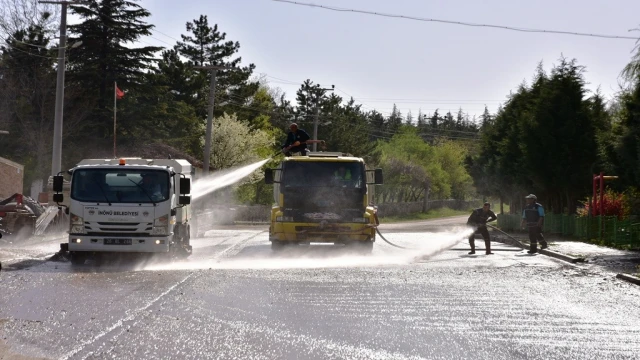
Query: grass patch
431, 214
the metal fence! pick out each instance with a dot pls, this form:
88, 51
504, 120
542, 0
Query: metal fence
605, 230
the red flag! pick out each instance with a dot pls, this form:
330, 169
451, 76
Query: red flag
119, 93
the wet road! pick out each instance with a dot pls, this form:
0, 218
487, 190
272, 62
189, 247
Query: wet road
234, 298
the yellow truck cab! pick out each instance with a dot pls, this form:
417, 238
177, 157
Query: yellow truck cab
323, 198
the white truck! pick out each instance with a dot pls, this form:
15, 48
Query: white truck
128, 205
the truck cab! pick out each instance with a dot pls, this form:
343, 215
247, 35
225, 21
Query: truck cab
323, 198
129, 205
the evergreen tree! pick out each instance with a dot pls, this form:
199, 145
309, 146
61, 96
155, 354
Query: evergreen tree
27, 90
409, 120
310, 98
107, 29
205, 45
421, 121
395, 120
485, 118
435, 120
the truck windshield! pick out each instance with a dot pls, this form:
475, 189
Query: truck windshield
120, 185
323, 174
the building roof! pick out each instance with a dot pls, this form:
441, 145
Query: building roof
11, 163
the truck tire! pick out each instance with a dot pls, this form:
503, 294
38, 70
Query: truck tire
77, 258
183, 244
363, 247
277, 245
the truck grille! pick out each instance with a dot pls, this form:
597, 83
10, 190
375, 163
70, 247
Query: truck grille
118, 228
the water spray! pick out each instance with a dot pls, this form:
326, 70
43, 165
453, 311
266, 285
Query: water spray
223, 179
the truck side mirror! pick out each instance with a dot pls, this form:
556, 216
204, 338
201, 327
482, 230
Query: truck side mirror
184, 200
378, 180
58, 181
268, 176
58, 198
185, 186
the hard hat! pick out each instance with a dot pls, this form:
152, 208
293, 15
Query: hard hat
531, 196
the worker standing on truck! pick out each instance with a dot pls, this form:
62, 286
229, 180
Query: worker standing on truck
478, 220
297, 140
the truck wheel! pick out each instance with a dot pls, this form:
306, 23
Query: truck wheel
77, 258
184, 251
364, 247
277, 245
367, 246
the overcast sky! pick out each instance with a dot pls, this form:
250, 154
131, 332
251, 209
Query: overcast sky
418, 65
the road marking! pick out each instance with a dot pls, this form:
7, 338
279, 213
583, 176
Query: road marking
135, 313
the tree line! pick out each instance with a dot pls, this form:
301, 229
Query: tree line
547, 138
552, 135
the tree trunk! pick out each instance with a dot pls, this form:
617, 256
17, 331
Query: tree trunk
425, 200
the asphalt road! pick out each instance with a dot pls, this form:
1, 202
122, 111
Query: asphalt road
234, 298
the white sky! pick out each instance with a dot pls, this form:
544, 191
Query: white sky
419, 64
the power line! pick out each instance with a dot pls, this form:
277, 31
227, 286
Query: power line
397, 100
459, 22
427, 100
160, 32
283, 80
31, 54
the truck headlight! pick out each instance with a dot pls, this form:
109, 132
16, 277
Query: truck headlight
159, 230
161, 221
360, 220
77, 224
284, 218
161, 226
76, 220
77, 229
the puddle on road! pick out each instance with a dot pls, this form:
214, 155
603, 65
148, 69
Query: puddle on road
423, 246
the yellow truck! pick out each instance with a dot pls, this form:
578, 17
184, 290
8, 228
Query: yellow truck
323, 198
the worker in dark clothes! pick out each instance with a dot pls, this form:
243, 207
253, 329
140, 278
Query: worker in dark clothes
478, 220
533, 217
297, 140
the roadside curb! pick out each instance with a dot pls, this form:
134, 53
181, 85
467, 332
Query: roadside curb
557, 255
561, 256
629, 278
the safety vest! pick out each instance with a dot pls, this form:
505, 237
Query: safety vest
531, 213
347, 175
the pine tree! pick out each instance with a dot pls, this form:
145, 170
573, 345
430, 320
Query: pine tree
206, 45
435, 120
107, 29
27, 90
421, 122
309, 97
409, 119
395, 120
485, 118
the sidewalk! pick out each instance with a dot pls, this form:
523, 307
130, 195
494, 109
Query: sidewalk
607, 259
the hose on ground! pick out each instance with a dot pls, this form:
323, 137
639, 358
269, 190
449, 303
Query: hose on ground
514, 239
392, 244
375, 215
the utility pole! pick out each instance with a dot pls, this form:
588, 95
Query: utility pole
317, 117
212, 91
56, 160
